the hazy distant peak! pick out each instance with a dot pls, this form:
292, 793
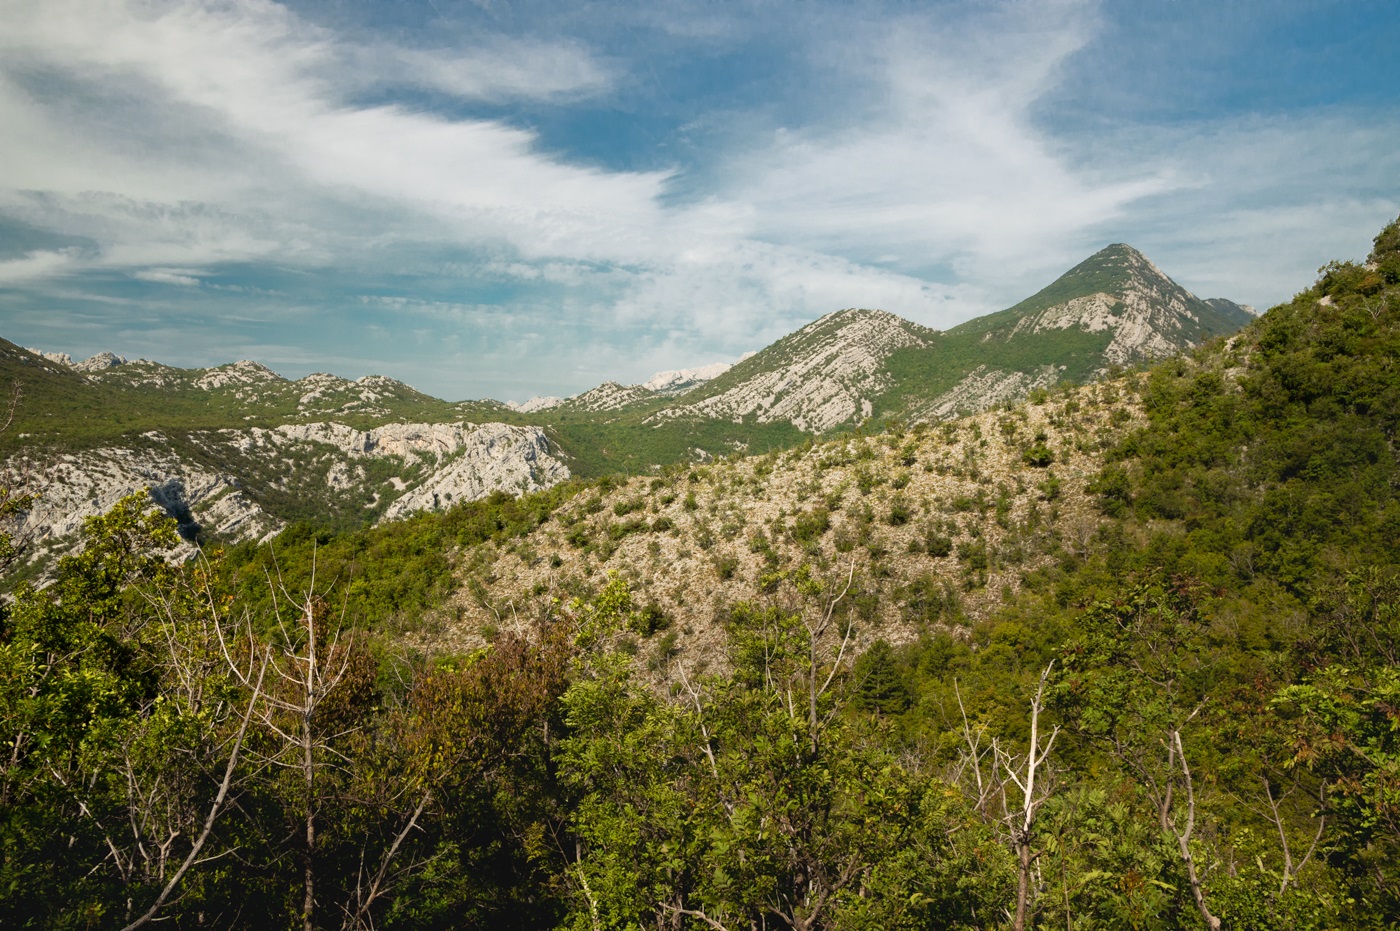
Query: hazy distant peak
1230, 308
537, 403
673, 382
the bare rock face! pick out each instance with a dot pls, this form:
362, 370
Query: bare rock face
75, 486
99, 362
824, 375
434, 466
493, 457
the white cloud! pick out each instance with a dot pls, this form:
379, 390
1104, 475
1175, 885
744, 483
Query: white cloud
237, 108
504, 71
37, 265
947, 164
175, 276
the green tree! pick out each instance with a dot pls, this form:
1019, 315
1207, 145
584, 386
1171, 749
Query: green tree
1138, 679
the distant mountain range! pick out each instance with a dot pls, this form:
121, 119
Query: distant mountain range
236, 451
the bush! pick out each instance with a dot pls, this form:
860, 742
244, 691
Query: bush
1114, 489
1038, 456
808, 526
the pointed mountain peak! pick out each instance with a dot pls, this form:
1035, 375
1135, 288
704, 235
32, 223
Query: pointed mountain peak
1119, 292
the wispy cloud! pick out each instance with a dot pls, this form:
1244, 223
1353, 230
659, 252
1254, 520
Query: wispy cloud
35, 266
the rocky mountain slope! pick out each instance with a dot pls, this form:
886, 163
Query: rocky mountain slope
936, 525
245, 484
820, 377
1119, 293
1114, 309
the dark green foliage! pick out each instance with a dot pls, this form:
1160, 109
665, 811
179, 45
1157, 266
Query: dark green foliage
1114, 489
396, 573
123, 707
879, 686
936, 543
1039, 456
808, 526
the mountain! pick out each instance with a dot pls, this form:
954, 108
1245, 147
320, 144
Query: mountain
612, 395
1114, 309
820, 377
1119, 293
236, 451
958, 515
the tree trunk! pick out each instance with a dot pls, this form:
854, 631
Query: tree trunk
1023, 881
308, 905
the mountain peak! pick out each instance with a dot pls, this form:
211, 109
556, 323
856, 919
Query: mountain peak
825, 374
1142, 313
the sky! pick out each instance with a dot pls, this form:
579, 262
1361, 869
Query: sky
507, 199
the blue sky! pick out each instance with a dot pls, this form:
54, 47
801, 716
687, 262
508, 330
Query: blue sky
492, 199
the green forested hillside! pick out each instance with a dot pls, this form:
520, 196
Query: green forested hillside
62, 408
1186, 720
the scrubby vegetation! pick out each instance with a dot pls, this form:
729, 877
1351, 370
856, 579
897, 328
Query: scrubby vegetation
1178, 713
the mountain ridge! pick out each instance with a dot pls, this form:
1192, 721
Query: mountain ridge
209, 430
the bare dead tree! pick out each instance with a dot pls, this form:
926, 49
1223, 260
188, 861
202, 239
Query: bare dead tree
971, 760
1291, 867
1008, 789
816, 632
1021, 771
306, 664
1173, 793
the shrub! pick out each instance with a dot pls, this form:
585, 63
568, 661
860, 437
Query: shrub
1038, 456
808, 526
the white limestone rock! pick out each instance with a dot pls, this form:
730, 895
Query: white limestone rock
244, 373
537, 403
682, 380
99, 362
609, 396
493, 457
832, 367
58, 358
